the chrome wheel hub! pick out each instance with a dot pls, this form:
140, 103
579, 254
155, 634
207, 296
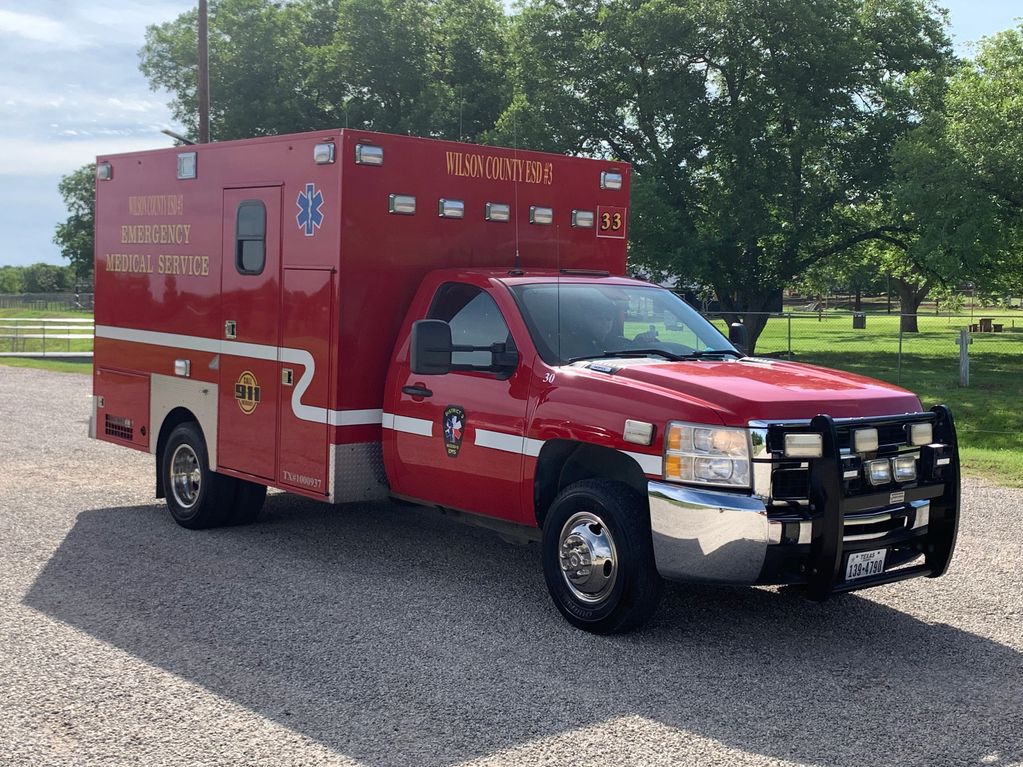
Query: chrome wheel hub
185, 476
589, 561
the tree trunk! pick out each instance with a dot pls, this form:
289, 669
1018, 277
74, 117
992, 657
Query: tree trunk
911, 295
751, 307
858, 301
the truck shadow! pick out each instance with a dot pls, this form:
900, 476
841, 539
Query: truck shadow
397, 637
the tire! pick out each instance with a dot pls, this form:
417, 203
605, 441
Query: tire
197, 497
606, 523
247, 502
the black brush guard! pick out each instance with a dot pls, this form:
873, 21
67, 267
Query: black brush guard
830, 500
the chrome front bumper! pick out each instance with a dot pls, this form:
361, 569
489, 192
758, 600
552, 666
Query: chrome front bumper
714, 537
703, 535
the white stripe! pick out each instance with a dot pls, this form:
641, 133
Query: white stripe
650, 464
496, 440
532, 447
512, 443
407, 424
252, 351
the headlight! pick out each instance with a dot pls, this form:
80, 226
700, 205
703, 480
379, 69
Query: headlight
709, 456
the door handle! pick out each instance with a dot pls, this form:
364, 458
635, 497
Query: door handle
230, 329
416, 391
287, 376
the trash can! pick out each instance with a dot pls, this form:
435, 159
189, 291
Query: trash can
859, 321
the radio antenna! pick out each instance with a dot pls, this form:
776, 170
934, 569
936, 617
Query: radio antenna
515, 184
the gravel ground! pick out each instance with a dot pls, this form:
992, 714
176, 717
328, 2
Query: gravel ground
380, 635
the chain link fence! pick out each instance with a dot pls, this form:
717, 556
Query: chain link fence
47, 302
879, 345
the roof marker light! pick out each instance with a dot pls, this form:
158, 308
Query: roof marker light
323, 154
610, 179
450, 208
582, 219
402, 204
104, 171
498, 211
538, 215
368, 154
188, 165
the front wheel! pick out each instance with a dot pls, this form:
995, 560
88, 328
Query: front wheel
598, 557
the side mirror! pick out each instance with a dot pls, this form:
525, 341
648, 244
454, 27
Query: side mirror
738, 336
431, 348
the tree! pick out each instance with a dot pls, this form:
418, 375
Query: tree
960, 173
47, 278
760, 131
260, 65
11, 280
430, 67
74, 236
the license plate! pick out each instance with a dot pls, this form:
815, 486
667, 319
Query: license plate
865, 563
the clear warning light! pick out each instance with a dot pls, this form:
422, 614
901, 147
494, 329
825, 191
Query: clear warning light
610, 179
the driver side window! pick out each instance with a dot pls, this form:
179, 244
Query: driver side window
474, 318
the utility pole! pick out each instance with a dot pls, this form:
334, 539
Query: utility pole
204, 76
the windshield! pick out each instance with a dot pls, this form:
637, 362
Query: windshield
571, 321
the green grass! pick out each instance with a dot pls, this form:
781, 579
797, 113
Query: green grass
57, 365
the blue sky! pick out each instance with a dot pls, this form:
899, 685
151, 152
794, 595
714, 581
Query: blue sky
70, 89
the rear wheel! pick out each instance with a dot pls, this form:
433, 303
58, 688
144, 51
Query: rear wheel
196, 496
247, 502
598, 557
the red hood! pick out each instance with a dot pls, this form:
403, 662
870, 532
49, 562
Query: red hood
758, 389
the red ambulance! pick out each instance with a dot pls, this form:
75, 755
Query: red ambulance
349, 315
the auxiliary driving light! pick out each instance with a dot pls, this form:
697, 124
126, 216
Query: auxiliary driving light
904, 468
920, 434
879, 472
865, 440
804, 445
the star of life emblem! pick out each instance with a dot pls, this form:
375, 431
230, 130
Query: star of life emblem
309, 217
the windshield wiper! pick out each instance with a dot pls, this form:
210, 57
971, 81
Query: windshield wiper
714, 352
630, 353
694, 355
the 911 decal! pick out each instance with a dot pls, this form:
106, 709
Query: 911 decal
611, 221
246, 392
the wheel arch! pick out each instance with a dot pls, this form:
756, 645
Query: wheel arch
174, 400
563, 462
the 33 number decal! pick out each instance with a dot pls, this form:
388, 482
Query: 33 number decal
610, 222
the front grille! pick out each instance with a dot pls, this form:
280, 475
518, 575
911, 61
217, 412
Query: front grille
118, 427
790, 484
871, 527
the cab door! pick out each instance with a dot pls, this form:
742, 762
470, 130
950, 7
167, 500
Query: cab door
457, 438
249, 379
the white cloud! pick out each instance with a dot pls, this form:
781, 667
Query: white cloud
27, 156
40, 29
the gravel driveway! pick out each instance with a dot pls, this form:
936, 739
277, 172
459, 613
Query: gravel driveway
381, 635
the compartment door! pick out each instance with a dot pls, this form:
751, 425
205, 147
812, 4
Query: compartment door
250, 279
308, 315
